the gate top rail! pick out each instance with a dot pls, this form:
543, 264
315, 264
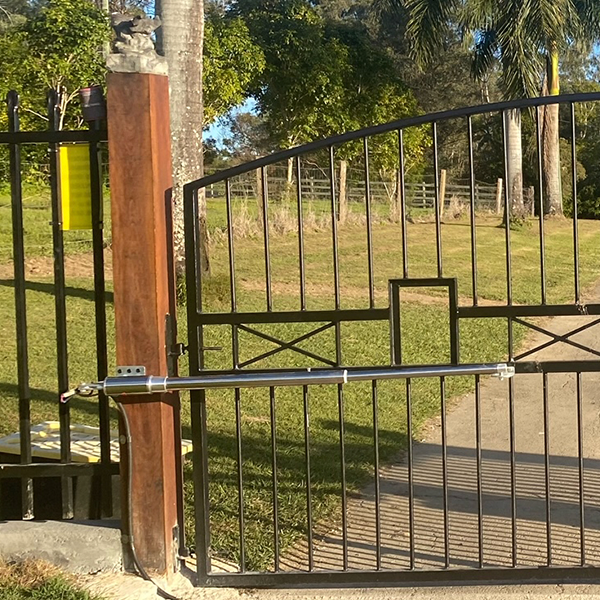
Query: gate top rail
53, 137
385, 128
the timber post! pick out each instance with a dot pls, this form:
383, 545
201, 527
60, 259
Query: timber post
144, 299
499, 197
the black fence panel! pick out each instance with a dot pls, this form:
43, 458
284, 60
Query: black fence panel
33, 485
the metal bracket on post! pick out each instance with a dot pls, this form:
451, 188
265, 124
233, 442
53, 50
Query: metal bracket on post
131, 371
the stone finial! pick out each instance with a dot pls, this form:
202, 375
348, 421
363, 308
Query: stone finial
133, 48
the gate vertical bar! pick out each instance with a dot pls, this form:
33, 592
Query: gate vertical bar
197, 397
403, 216
411, 484
60, 305
507, 215
273, 416
580, 465
16, 194
375, 401
232, 281
507, 222
265, 215
478, 468
445, 472
575, 207
548, 500
438, 209
338, 352
230, 246
240, 478
472, 210
300, 235
100, 320
513, 469
369, 224
309, 519
334, 232
540, 174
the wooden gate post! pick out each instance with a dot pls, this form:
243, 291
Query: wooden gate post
144, 294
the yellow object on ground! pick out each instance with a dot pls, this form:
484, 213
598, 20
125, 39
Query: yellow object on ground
85, 443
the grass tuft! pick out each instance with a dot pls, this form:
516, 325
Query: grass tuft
38, 580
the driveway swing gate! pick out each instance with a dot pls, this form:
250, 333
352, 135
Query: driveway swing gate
355, 483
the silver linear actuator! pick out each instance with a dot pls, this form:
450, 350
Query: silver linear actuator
150, 384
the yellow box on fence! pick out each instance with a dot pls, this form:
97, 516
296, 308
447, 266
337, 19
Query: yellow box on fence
75, 186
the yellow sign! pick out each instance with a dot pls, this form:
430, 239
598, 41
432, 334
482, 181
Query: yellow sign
75, 186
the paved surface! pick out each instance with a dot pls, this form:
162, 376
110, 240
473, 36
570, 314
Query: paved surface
530, 536
76, 547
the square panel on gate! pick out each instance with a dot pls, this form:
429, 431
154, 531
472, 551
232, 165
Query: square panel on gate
395, 285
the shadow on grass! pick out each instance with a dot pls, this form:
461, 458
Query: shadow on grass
325, 463
48, 288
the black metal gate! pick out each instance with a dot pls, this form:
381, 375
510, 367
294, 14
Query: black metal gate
32, 484
394, 483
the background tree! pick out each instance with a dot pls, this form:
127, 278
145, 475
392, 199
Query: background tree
54, 45
324, 76
180, 39
232, 62
57, 47
527, 38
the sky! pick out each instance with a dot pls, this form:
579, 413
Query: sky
219, 129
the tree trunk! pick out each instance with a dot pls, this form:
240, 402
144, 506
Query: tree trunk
180, 40
259, 196
552, 184
514, 164
343, 195
396, 199
289, 179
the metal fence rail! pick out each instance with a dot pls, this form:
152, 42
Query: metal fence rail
27, 468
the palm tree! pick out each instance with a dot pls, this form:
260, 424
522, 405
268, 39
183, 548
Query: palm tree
180, 39
527, 38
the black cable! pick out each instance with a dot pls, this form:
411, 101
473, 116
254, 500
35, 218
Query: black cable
136, 561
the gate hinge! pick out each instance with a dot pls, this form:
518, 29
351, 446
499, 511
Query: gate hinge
178, 349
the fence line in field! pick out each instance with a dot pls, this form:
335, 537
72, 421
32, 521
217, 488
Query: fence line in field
315, 186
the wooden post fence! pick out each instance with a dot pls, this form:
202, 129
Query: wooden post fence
499, 197
443, 174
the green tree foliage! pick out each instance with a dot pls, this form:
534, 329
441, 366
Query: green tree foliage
325, 76
54, 45
528, 39
232, 62
59, 47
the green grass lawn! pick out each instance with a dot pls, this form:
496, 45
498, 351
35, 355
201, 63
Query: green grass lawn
425, 340
37, 218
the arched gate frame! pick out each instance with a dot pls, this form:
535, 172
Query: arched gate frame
509, 501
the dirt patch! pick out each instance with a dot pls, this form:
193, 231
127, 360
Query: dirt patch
323, 290
78, 265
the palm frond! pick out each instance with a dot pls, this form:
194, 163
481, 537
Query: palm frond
477, 15
428, 26
588, 13
485, 52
